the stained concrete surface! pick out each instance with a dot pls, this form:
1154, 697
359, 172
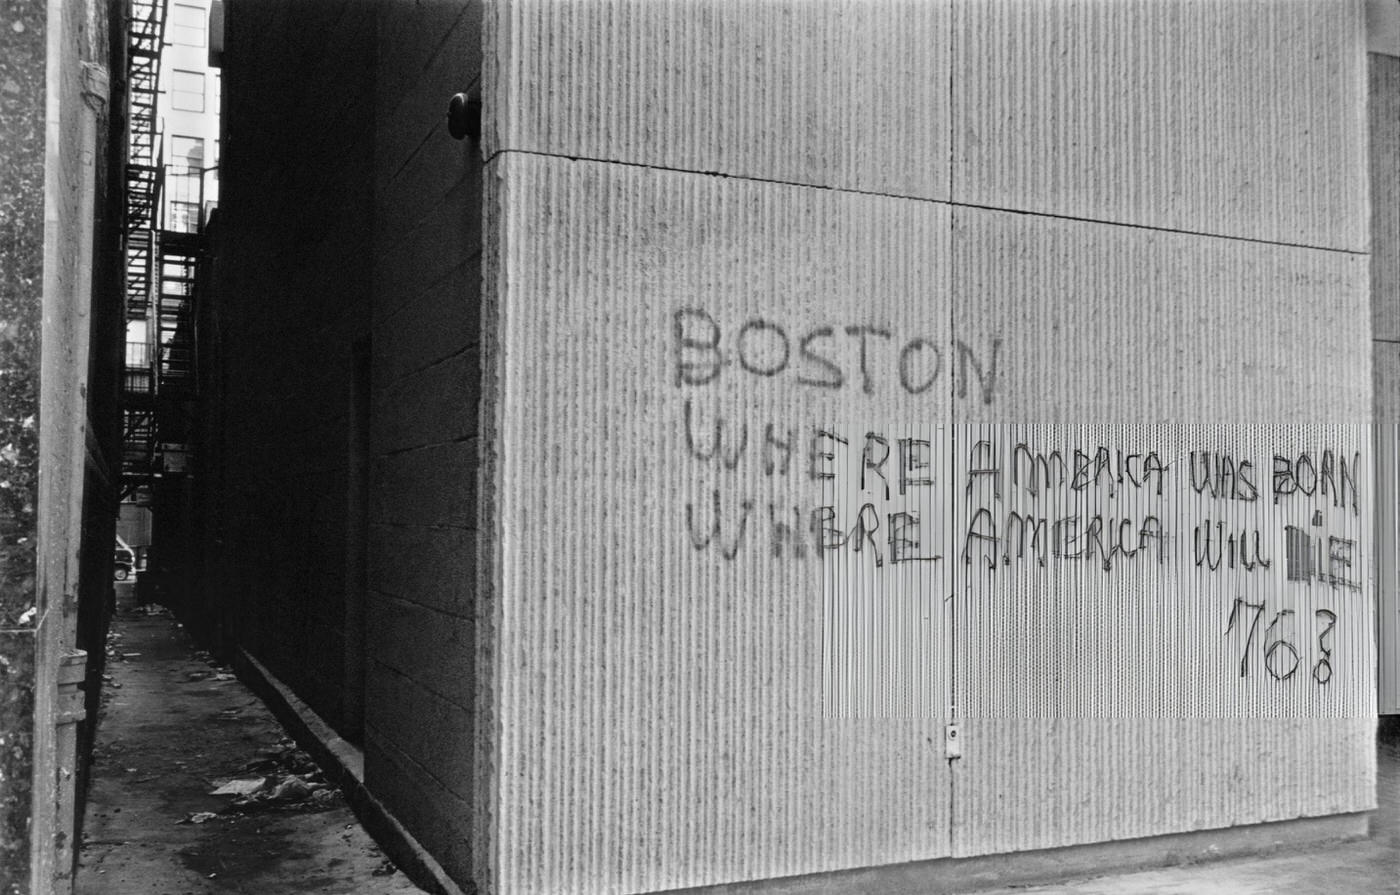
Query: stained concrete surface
1369, 866
173, 726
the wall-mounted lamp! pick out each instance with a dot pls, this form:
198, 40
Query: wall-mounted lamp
464, 117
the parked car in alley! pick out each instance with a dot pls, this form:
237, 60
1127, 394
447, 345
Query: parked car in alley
123, 561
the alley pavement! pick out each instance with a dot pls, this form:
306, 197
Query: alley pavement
175, 728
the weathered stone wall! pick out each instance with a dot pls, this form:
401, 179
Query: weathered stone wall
22, 55
57, 386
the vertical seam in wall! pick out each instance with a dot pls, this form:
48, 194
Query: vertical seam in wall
489, 509
485, 826
952, 614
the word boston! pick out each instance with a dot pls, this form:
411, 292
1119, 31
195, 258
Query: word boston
827, 357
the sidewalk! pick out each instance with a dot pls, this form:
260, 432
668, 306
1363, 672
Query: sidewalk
175, 727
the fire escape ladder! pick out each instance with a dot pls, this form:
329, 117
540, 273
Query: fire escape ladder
142, 186
140, 256
175, 336
145, 35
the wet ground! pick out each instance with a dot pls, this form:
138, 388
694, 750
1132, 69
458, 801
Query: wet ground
175, 727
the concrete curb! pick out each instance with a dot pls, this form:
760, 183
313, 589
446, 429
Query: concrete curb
344, 763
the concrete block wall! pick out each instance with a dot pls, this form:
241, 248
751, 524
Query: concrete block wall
420, 721
350, 226
1095, 214
293, 293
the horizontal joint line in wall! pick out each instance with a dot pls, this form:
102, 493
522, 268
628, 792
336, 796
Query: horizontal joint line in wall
462, 439
422, 684
422, 526
408, 374
469, 615
412, 154
950, 203
399, 306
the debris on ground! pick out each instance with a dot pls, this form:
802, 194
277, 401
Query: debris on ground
113, 649
241, 787
156, 828
282, 777
284, 758
199, 817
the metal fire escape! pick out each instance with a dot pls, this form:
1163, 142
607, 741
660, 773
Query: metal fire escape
162, 254
145, 36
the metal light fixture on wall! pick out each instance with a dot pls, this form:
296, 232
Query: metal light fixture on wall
464, 117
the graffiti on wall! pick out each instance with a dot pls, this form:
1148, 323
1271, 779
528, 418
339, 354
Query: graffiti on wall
1256, 533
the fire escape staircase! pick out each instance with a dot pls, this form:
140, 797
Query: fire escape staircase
141, 243
174, 317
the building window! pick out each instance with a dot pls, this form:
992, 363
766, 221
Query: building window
188, 25
187, 91
187, 152
183, 185
184, 218
138, 352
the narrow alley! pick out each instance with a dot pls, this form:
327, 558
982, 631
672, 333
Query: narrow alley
175, 728
704, 447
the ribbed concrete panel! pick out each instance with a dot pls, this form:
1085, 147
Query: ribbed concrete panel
1125, 701
1387, 378
1142, 547
1385, 310
1178, 634
1236, 118
849, 93
1385, 196
1388, 569
1052, 783
668, 343
883, 528
1383, 27
1102, 324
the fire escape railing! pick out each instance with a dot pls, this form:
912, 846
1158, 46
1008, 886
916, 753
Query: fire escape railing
143, 179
